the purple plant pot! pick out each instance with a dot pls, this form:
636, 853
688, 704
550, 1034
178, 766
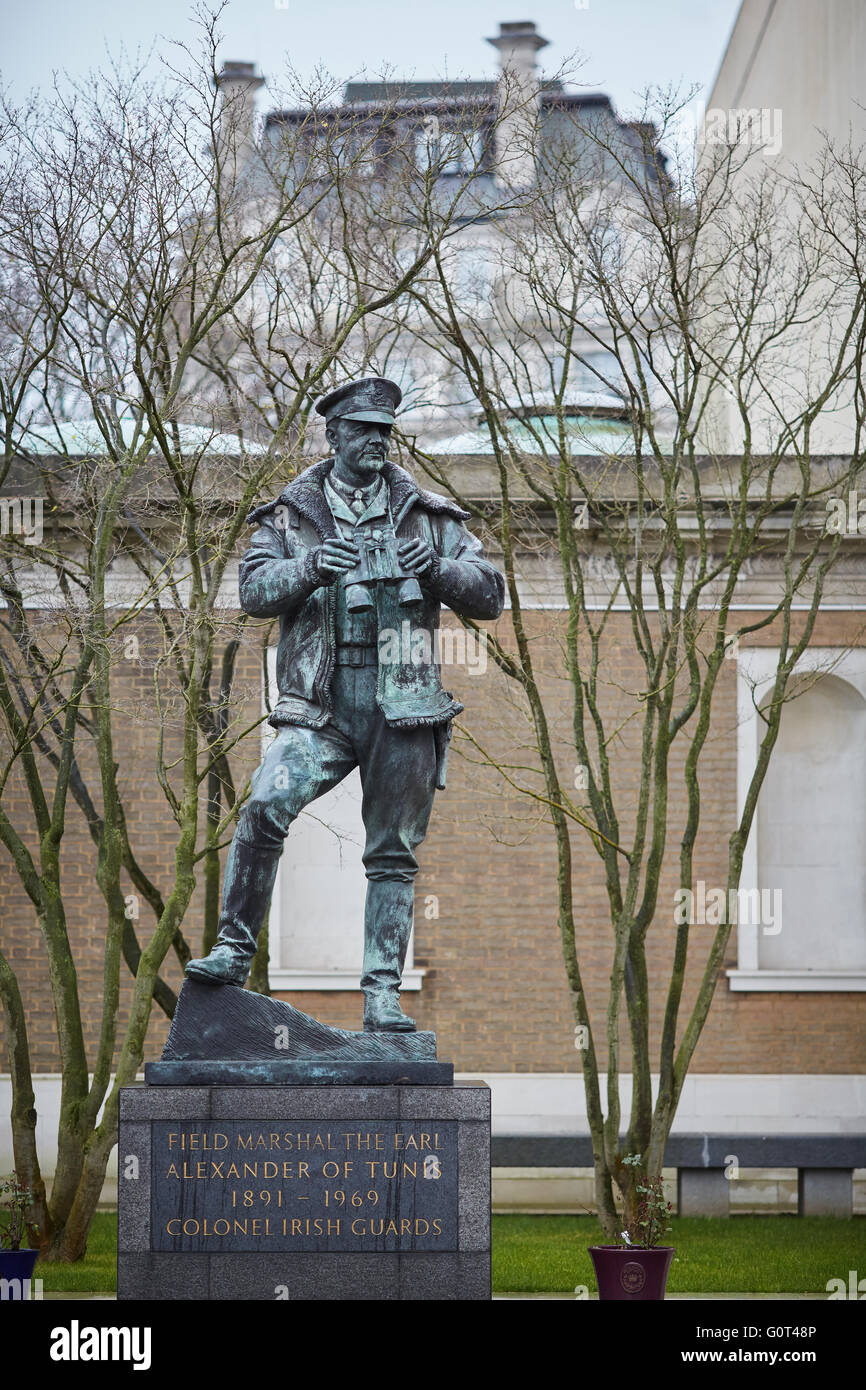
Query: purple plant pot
630, 1274
18, 1264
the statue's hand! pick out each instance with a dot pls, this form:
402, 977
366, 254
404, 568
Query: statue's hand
416, 556
336, 557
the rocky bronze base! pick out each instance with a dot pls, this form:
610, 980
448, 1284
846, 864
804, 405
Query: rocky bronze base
307, 1071
232, 1036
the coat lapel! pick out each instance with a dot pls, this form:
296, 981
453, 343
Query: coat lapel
306, 495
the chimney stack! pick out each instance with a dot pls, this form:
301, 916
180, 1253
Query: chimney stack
518, 44
237, 84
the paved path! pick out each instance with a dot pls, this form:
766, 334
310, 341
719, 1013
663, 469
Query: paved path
687, 1297
542, 1297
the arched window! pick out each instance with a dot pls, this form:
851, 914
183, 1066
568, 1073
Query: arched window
807, 848
812, 830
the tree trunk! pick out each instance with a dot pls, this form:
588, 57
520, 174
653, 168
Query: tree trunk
23, 1114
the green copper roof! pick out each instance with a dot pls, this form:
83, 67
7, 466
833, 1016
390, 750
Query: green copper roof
82, 438
539, 434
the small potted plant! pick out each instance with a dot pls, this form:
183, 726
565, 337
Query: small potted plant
637, 1270
15, 1262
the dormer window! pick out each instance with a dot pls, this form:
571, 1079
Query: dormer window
451, 151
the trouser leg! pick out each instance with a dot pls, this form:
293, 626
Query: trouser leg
299, 766
398, 776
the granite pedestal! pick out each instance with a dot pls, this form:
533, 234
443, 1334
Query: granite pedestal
304, 1192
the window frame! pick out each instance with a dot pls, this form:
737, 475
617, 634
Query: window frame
756, 669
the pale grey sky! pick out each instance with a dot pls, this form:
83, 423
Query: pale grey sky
627, 44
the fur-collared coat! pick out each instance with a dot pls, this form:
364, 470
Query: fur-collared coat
279, 577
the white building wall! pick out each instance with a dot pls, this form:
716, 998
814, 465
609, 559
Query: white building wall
553, 1104
799, 66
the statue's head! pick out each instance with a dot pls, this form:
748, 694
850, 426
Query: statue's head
360, 416
361, 445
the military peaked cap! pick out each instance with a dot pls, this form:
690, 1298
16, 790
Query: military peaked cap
374, 398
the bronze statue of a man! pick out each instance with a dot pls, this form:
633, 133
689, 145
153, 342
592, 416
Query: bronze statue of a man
350, 551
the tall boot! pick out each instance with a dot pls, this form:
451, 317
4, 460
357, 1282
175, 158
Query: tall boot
387, 928
247, 889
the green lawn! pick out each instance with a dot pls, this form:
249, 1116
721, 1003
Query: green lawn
547, 1254
97, 1272
743, 1254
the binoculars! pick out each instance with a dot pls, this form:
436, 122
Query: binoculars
379, 563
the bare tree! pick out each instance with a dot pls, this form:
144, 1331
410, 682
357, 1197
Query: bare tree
624, 303
178, 294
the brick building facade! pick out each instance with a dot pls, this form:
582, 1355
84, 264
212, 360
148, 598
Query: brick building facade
494, 986
783, 1050
488, 965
